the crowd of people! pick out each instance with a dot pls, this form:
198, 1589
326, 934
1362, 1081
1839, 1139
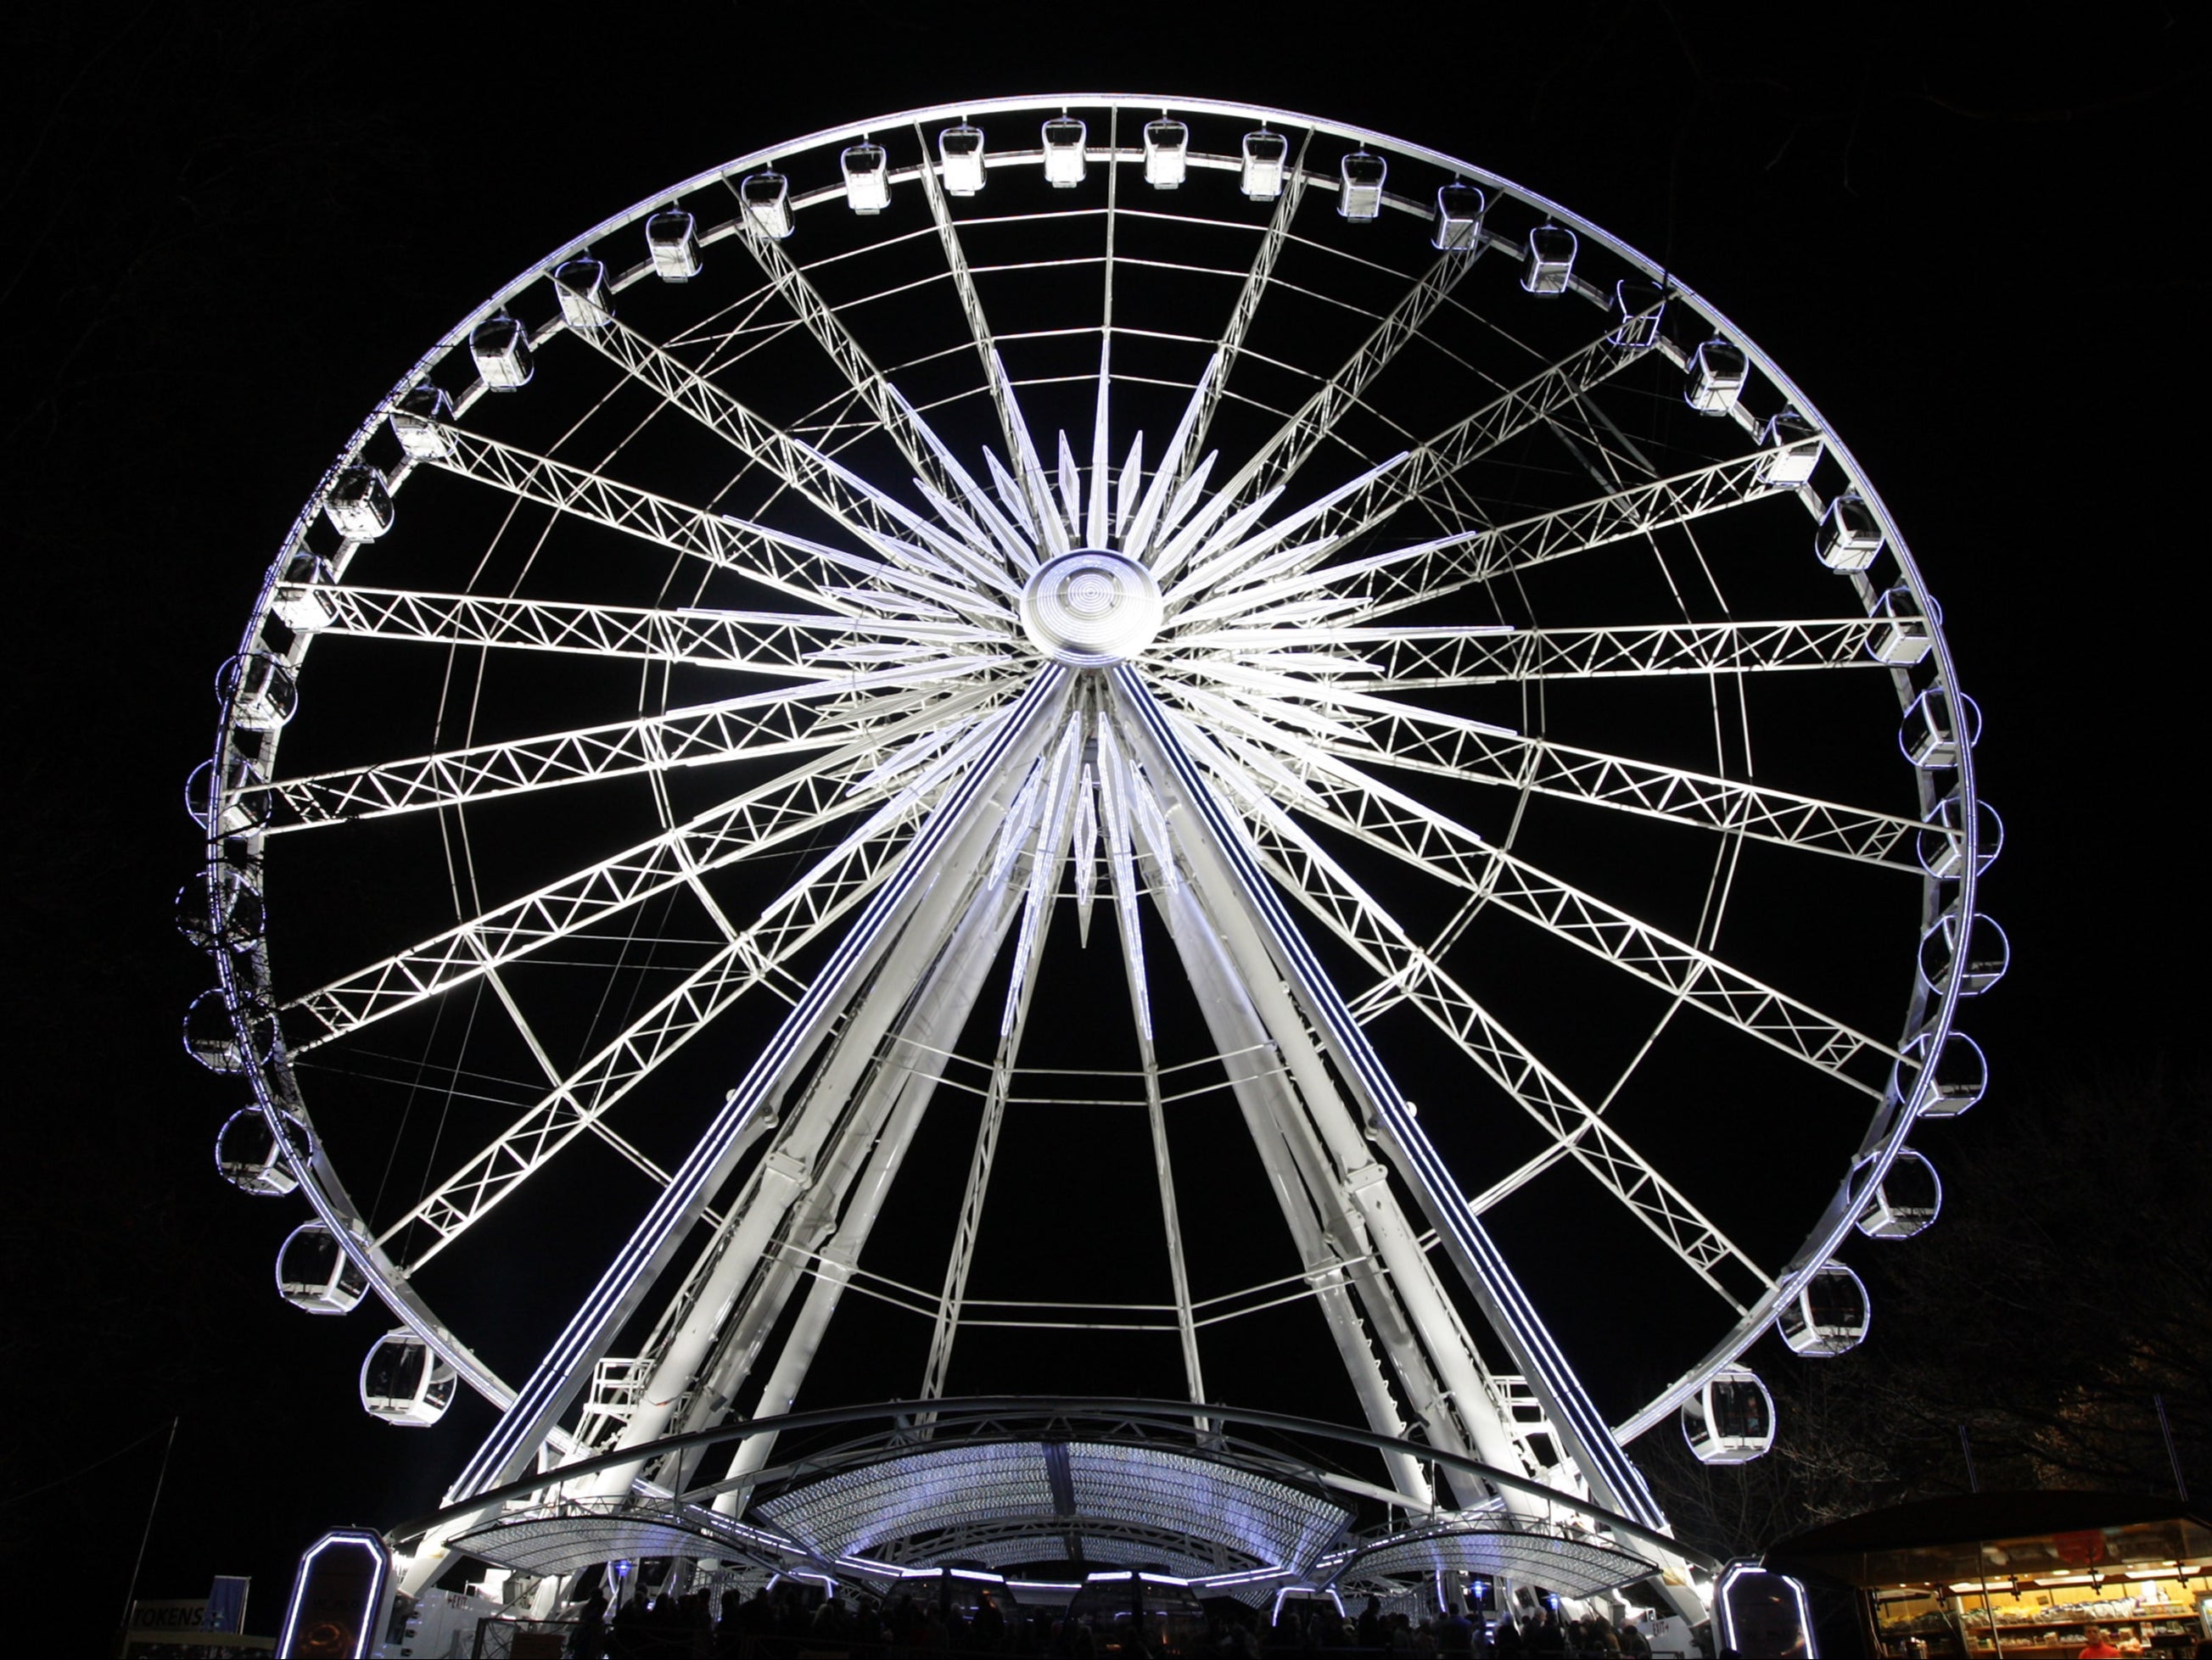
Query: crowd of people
697, 1626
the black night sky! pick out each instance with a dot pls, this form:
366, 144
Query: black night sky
229, 228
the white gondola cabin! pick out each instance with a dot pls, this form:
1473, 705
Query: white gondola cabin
1937, 727
1906, 634
766, 196
1063, 137
1167, 154
227, 1037
359, 504
1906, 1202
1550, 266
221, 909
1729, 1420
1457, 227
580, 285
1717, 373
867, 170
672, 242
960, 159
1793, 447
1943, 843
1828, 1315
1359, 186
243, 806
1978, 948
250, 1157
404, 1381
260, 692
500, 346
418, 420
314, 1273
295, 602
1266, 157
1850, 536
1637, 308
1959, 1078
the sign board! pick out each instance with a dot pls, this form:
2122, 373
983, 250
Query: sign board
170, 1613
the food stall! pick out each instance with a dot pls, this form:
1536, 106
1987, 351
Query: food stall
2018, 1575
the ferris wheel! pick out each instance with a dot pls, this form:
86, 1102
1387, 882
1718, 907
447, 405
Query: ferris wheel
1087, 739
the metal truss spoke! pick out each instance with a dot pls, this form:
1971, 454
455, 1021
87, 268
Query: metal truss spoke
768, 815
796, 644
1012, 430
1386, 658
577, 1104
1301, 869
1232, 346
1422, 741
1333, 792
1291, 444
782, 722
881, 521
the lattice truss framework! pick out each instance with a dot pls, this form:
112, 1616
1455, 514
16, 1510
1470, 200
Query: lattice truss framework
723, 615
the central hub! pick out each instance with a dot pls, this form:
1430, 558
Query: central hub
1091, 608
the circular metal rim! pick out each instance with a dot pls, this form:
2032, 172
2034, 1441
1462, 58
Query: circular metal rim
1931, 1013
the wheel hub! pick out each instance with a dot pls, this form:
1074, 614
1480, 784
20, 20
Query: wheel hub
1091, 608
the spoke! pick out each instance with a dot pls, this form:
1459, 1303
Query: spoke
577, 1104
1293, 443
1333, 792
1248, 303
1011, 431
866, 512
769, 815
1303, 870
782, 722
1382, 659
791, 565
1544, 537
766, 642
1422, 741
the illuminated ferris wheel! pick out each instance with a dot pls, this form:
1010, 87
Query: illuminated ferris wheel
1076, 733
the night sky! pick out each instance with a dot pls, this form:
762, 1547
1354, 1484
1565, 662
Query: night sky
230, 228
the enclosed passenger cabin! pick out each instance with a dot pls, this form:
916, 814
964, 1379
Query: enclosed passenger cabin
221, 909
1637, 308
295, 603
960, 159
1730, 1420
1550, 266
418, 419
229, 1037
250, 1156
359, 504
1719, 371
1828, 1315
672, 242
500, 346
1267, 156
1167, 154
260, 692
1958, 1079
581, 286
867, 170
1123, 1603
404, 1381
766, 198
1793, 447
314, 1273
1938, 728
1944, 843
1906, 634
1906, 1201
1359, 178
240, 808
1976, 946
1458, 225
1063, 137
1850, 536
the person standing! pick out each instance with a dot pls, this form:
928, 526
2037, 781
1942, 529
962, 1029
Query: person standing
2094, 1647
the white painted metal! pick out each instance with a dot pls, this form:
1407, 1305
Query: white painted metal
1188, 685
